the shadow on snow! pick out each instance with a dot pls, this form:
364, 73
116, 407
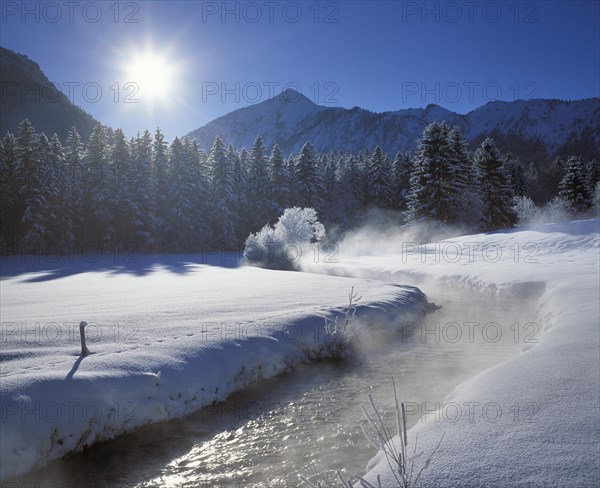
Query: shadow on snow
55, 267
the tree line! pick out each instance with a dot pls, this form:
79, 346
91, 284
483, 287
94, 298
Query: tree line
177, 197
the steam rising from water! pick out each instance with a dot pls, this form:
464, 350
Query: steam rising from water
382, 235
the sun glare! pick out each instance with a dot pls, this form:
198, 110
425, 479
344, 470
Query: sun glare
152, 73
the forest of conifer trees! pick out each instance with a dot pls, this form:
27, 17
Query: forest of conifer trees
158, 197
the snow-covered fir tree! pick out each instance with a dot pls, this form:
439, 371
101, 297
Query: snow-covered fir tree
25, 169
434, 183
122, 170
8, 193
363, 172
160, 178
258, 185
532, 177
329, 165
62, 227
464, 187
139, 197
574, 188
345, 202
515, 174
74, 154
239, 180
290, 165
496, 194
222, 197
592, 175
40, 190
280, 194
198, 172
98, 189
379, 179
401, 170
182, 198
246, 212
308, 179
356, 181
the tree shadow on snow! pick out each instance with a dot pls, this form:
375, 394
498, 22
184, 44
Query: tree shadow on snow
47, 268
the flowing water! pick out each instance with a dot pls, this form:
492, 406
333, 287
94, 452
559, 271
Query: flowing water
308, 421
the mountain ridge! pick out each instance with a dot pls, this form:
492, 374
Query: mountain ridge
28, 93
554, 123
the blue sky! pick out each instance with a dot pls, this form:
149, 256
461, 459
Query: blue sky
377, 55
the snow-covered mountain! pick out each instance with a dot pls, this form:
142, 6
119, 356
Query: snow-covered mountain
290, 119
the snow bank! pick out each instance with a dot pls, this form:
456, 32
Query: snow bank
533, 420
167, 335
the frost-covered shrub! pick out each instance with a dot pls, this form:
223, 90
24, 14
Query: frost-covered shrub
596, 199
258, 245
527, 211
281, 246
556, 210
299, 225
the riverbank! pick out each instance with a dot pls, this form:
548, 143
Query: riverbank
167, 334
532, 420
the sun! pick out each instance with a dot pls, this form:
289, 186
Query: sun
153, 76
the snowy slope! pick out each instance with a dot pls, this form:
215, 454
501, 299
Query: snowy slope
533, 420
51, 111
290, 119
552, 121
276, 119
168, 335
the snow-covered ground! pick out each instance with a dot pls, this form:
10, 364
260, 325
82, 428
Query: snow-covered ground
530, 421
167, 335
